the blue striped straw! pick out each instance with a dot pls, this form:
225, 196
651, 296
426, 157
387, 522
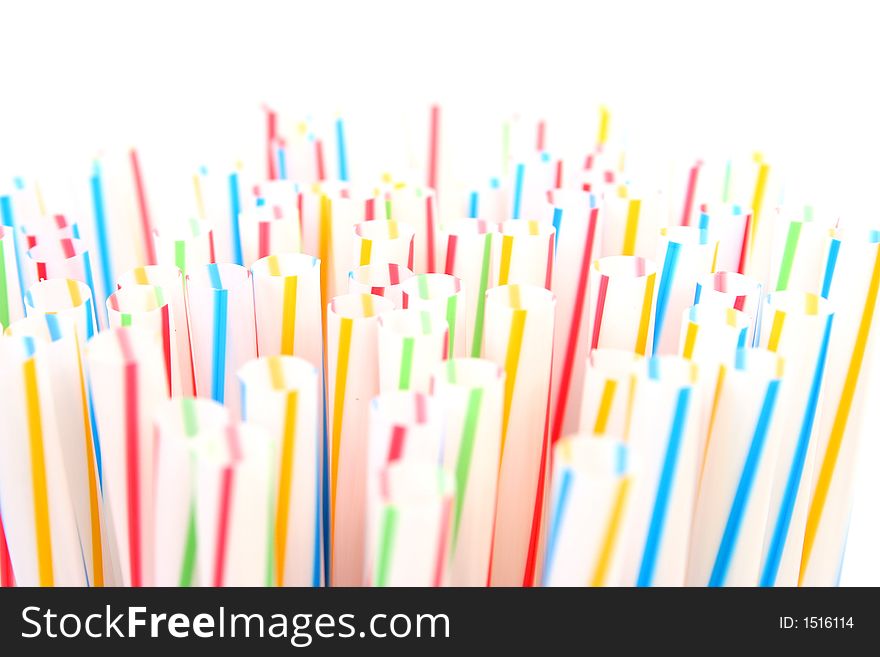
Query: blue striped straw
792, 484
664, 487
744, 488
474, 207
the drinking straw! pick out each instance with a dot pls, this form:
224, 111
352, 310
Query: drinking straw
145, 305
519, 337
7, 220
411, 342
854, 292
576, 218
281, 196
63, 258
128, 383
713, 334
180, 425
686, 256
235, 508
382, 242
590, 510
417, 206
443, 297
470, 394
729, 225
170, 280
736, 474
797, 326
622, 291
221, 301
38, 514
280, 394
382, 280
526, 253
70, 403
611, 379
271, 140
666, 434
268, 230
352, 381
185, 244
66, 298
404, 426
466, 253
632, 222
287, 303
142, 207
412, 521
804, 255
726, 289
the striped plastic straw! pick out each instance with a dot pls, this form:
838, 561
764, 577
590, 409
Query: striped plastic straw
404, 427
467, 253
525, 256
281, 394
611, 380
11, 306
268, 230
736, 473
38, 514
180, 425
129, 383
519, 335
797, 326
412, 521
470, 394
577, 220
221, 304
731, 290
854, 294
589, 512
352, 381
382, 242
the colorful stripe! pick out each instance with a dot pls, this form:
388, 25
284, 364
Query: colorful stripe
388, 533
288, 315
791, 242
631, 230
477, 346
42, 525
285, 484
645, 320
795, 473
841, 418
670, 264
218, 360
663, 497
612, 534
511, 364
345, 328
739, 507
465, 455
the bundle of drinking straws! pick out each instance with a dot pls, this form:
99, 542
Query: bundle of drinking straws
562, 375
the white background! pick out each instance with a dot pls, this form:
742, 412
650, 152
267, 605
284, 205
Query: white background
795, 80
